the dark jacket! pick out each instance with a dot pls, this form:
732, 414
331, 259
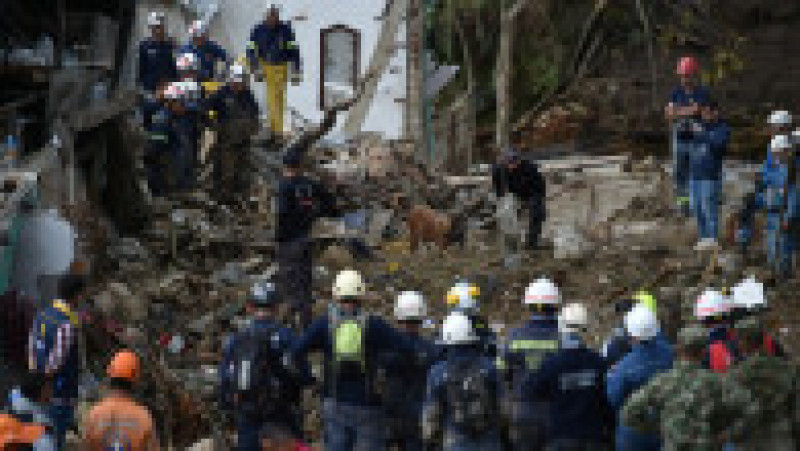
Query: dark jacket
705, 162
524, 181
273, 45
405, 378
45, 330
527, 346
572, 379
156, 63
208, 54
300, 202
228, 103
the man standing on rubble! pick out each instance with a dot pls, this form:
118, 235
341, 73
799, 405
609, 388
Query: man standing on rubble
53, 352
350, 339
156, 56
187, 120
521, 178
526, 347
300, 202
272, 49
705, 183
161, 142
255, 383
234, 112
684, 114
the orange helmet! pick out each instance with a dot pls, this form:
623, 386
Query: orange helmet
124, 365
687, 65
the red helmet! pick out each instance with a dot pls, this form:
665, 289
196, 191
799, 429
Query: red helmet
687, 66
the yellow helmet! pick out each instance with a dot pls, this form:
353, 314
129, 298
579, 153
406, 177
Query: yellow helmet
463, 295
646, 299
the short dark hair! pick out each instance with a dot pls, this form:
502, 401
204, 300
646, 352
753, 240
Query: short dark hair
71, 286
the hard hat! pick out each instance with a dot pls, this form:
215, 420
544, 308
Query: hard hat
263, 294
573, 318
155, 19
780, 118
409, 305
238, 72
711, 303
457, 329
173, 91
197, 28
463, 295
187, 61
348, 284
780, 143
749, 294
641, 322
124, 365
687, 65
646, 299
542, 291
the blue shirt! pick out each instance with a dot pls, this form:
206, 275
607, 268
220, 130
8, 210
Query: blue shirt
681, 97
208, 54
706, 161
771, 193
273, 45
156, 63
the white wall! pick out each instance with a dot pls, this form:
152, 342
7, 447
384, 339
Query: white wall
231, 28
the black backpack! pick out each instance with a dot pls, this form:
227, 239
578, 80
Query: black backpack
472, 403
258, 379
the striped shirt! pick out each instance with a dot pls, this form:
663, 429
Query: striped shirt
58, 355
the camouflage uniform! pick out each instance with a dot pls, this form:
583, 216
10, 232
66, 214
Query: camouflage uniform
772, 382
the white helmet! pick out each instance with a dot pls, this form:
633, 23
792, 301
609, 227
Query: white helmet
641, 322
348, 284
197, 28
463, 295
573, 318
749, 294
457, 329
542, 291
173, 91
155, 19
238, 72
187, 61
796, 137
410, 305
780, 143
711, 303
780, 118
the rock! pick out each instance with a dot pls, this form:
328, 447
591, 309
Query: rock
336, 256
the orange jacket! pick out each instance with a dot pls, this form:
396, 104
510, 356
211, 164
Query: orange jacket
14, 434
119, 420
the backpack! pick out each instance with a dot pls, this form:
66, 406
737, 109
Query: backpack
258, 375
471, 401
348, 343
720, 355
45, 328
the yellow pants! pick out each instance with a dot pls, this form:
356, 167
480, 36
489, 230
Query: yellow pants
275, 79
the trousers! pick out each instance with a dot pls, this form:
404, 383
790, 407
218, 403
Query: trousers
275, 79
349, 427
295, 275
681, 152
704, 200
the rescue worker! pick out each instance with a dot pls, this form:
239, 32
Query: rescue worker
404, 379
572, 380
234, 112
683, 112
300, 202
689, 406
619, 344
463, 297
649, 356
187, 121
156, 56
53, 352
771, 380
522, 178
705, 182
161, 142
525, 348
27, 422
712, 310
209, 54
777, 192
255, 383
748, 301
350, 339
462, 401
118, 421
272, 49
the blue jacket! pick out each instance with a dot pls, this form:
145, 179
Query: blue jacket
572, 379
406, 378
645, 361
45, 329
156, 63
273, 45
352, 388
705, 162
208, 54
527, 346
436, 391
617, 346
770, 193
281, 340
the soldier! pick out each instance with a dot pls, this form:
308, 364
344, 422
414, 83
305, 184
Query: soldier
693, 408
771, 381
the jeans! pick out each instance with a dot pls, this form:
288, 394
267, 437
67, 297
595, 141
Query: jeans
705, 206
780, 245
62, 415
349, 427
681, 151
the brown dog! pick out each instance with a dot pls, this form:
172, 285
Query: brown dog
427, 225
